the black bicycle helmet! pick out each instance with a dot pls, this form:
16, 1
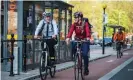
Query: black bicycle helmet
76, 14
80, 14
119, 28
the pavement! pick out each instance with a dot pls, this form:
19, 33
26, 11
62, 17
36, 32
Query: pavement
30, 75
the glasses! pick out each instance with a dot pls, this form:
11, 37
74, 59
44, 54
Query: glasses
47, 16
75, 17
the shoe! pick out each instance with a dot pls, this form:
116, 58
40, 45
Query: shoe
86, 72
121, 54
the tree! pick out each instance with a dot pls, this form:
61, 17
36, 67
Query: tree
119, 13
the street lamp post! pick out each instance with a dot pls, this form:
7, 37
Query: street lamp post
103, 48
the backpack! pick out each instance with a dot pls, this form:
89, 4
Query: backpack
90, 26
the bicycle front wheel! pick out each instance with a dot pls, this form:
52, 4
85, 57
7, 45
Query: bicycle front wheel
76, 68
43, 66
82, 68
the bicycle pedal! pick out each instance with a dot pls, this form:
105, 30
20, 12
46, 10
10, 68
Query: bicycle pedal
54, 66
43, 69
48, 67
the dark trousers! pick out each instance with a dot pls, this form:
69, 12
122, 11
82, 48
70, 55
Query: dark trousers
51, 43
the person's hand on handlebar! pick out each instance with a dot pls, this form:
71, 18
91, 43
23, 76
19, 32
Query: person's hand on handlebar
88, 39
37, 37
54, 36
119, 41
67, 41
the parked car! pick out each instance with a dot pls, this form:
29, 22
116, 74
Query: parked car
96, 41
108, 42
91, 42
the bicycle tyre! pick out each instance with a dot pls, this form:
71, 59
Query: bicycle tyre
76, 68
52, 71
119, 54
43, 66
82, 68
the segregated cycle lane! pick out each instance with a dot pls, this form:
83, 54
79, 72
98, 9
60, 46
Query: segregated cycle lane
97, 68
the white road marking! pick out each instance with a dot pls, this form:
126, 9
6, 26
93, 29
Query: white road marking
116, 70
110, 61
130, 69
125, 53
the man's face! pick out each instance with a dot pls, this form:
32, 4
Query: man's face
76, 19
47, 18
119, 30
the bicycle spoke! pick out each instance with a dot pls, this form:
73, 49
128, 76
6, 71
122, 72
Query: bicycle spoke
43, 68
52, 71
76, 69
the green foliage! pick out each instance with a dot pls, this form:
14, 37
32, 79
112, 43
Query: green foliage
119, 13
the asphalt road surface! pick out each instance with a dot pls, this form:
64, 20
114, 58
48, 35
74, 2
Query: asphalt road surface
126, 73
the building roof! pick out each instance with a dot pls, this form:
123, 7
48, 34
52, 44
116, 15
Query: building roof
116, 26
66, 3
57, 4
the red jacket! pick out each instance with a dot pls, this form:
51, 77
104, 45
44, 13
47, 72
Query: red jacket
75, 27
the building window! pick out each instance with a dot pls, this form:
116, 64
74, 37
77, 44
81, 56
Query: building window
62, 27
38, 13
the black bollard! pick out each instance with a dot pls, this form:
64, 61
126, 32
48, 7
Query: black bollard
12, 56
25, 41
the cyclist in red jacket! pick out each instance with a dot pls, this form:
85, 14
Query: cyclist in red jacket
82, 32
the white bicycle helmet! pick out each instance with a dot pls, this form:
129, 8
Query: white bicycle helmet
46, 14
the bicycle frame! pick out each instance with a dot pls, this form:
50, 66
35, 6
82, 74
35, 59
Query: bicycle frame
78, 58
78, 53
119, 46
47, 64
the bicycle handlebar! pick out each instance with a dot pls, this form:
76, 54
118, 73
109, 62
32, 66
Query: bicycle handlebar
42, 38
119, 41
79, 41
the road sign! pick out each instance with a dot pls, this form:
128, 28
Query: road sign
105, 19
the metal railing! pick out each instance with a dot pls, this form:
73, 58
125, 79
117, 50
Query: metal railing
28, 48
11, 57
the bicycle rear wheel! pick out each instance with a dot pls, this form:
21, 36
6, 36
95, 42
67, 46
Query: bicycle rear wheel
52, 71
43, 66
118, 54
82, 68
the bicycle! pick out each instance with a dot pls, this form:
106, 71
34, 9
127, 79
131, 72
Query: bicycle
45, 61
78, 61
118, 49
